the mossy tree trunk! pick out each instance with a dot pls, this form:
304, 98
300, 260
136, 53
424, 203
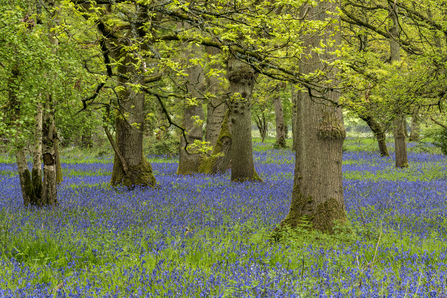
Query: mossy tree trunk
130, 167
242, 80
400, 142
279, 121
379, 133
193, 116
317, 195
216, 107
220, 157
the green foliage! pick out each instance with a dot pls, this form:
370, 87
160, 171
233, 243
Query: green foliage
439, 137
166, 144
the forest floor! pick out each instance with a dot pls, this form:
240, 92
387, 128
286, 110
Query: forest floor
203, 236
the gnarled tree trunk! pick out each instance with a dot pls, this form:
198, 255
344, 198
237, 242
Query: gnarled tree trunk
242, 80
317, 195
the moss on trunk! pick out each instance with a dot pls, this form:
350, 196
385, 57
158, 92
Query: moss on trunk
138, 175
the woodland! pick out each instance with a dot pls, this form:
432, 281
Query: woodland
166, 148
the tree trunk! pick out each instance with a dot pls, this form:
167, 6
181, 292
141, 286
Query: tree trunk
295, 94
379, 133
242, 80
136, 170
49, 191
400, 142
59, 174
216, 107
189, 162
317, 195
220, 158
36, 196
415, 128
279, 120
130, 166
262, 125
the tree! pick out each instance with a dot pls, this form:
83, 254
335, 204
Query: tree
318, 191
279, 121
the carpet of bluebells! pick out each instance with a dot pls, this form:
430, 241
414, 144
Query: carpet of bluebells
203, 236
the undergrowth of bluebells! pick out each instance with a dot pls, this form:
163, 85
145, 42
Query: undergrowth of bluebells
203, 236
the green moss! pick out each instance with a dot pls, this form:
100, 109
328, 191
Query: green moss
324, 219
138, 175
327, 215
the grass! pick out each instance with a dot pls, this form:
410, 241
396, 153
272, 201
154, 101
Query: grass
203, 236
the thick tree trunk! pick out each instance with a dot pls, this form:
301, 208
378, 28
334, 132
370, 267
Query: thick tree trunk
130, 167
379, 133
189, 161
415, 128
220, 158
317, 195
136, 170
242, 80
216, 107
49, 191
400, 142
279, 121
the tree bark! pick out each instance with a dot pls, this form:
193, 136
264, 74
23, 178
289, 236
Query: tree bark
242, 80
220, 158
295, 94
317, 195
49, 191
36, 176
216, 107
379, 133
130, 117
189, 162
400, 142
129, 123
279, 121
59, 174
399, 121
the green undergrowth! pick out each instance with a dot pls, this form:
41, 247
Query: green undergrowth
101, 254
415, 172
